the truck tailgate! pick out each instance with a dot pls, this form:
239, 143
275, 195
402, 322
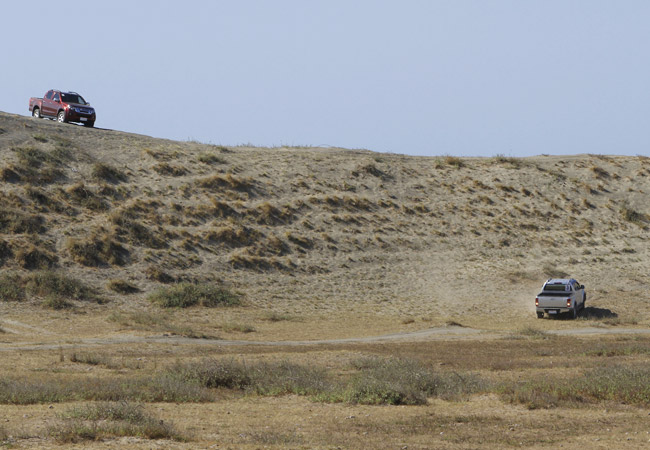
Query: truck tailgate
554, 300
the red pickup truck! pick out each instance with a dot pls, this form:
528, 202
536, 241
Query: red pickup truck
64, 107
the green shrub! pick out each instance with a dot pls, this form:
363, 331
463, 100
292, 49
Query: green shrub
11, 287
57, 288
184, 295
277, 378
398, 381
111, 419
214, 374
283, 377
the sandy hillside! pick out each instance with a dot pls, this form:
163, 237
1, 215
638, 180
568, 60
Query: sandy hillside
366, 239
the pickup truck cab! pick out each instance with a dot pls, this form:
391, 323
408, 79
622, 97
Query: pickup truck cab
560, 295
63, 107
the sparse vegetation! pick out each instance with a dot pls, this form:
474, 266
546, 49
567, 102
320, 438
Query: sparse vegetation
11, 288
452, 161
234, 236
56, 289
33, 257
105, 420
108, 173
122, 286
326, 244
97, 250
85, 197
12, 221
514, 163
621, 384
169, 170
184, 295
210, 158
238, 327
633, 216
228, 181
157, 274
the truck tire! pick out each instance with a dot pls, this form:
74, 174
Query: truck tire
60, 117
540, 315
89, 124
36, 113
574, 313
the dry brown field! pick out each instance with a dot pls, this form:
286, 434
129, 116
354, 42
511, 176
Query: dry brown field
162, 294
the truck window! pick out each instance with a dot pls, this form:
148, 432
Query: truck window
56, 97
49, 95
555, 287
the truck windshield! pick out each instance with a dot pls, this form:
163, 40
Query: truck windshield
73, 98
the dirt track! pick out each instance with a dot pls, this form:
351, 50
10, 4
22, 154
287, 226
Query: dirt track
439, 333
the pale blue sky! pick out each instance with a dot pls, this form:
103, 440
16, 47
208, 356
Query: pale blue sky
467, 78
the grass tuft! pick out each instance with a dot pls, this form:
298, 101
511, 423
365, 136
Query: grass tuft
16, 222
633, 216
122, 286
108, 173
106, 420
97, 250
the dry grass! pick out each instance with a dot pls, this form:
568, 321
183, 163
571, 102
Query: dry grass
97, 250
122, 286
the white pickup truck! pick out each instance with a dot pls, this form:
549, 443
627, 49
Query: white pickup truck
560, 295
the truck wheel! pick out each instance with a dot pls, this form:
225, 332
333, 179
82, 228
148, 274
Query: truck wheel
89, 124
574, 313
540, 315
36, 113
60, 117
